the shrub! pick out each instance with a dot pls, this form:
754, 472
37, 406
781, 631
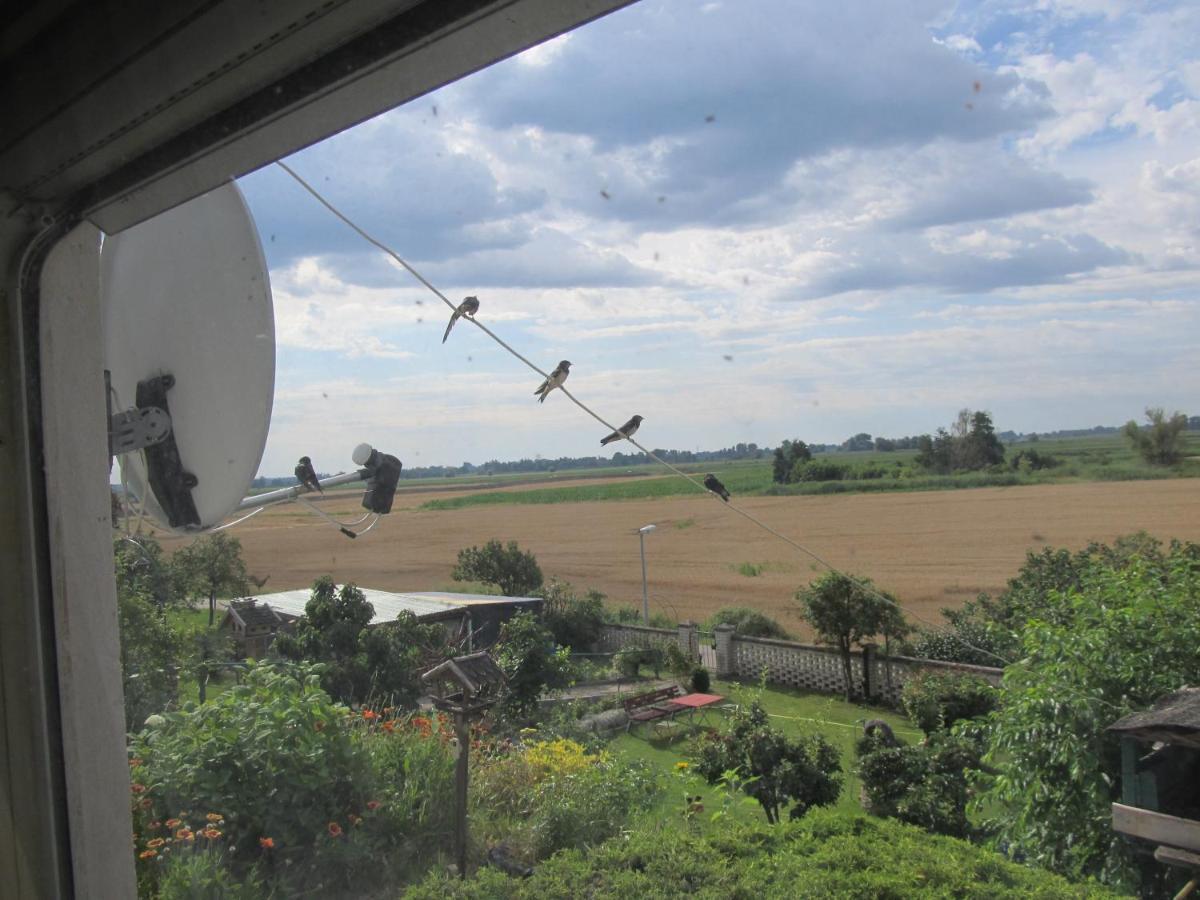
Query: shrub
235, 753
201, 873
631, 615
629, 660
818, 470
747, 621
936, 700
574, 621
514, 571
1160, 442
779, 772
845, 610
530, 661
925, 785
700, 680
826, 854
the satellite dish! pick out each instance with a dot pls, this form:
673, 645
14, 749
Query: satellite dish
189, 334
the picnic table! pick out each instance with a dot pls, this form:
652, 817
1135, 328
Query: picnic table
693, 703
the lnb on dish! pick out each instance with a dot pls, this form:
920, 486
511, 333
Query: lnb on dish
381, 471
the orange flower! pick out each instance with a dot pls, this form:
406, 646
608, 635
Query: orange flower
389, 727
138, 788
372, 804
318, 726
134, 762
155, 842
266, 843
184, 834
215, 817
335, 830
211, 833
173, 823
148, 854
370, 714
145, 803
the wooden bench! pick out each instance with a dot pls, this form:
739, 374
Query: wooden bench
650, 706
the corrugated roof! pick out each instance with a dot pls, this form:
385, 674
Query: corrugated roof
389, 604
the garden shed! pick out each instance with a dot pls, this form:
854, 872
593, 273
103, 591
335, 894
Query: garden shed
1160, 778
252, 626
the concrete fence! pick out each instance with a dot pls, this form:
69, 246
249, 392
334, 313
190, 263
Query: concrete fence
806, 666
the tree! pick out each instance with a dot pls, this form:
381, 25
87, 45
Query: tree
776, 771
141, 568
843, 611
980, 448
1160, 443
514, 571
150, 651
530, 660
971, 444
860, 441
361, 662
573, 621
1122, 637
786, 456
213, 567
204, 649
747, 621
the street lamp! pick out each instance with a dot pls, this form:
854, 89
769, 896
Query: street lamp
642, 532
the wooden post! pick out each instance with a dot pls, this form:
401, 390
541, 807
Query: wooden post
462, 731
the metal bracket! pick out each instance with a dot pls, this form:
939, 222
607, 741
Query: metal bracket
137, 428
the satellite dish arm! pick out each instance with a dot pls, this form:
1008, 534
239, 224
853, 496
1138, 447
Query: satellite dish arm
285, 495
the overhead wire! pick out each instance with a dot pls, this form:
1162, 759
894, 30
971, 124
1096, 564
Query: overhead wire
608, 425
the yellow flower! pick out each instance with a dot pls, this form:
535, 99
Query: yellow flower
681, 766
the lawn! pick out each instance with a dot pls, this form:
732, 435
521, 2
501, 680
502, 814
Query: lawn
794, 712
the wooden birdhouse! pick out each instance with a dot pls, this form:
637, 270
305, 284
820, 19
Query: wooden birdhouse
464, 687
1160, 777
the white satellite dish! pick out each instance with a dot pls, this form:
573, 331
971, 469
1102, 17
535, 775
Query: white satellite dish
189, 331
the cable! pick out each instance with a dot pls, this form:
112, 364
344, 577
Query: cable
608, 425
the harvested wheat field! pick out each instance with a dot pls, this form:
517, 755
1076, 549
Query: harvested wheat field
931, 549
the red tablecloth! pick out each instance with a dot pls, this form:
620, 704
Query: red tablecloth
695, 701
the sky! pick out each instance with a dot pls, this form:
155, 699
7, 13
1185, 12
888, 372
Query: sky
751, 221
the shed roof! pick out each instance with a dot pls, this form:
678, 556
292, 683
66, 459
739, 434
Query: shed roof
253, 613
427, 605
1174, 719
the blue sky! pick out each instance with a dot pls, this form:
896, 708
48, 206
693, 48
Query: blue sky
880, 212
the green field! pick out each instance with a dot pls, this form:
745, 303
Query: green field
1100, 458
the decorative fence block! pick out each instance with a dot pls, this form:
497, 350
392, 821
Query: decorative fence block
806, 666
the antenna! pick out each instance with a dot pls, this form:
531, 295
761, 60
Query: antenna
189, 346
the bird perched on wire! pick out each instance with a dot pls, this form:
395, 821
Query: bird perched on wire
307, 475
557, 377
468, 308
624, 431
711, 482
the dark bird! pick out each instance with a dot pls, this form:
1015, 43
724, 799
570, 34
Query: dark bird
468, 308
557, 377
711, 482
624, 431
307, 476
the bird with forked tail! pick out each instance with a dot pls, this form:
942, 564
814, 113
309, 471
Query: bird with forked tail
711, 482
557, 377
468, 308
625, 431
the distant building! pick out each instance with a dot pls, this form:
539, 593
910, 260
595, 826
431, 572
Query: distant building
475, 617
252, 625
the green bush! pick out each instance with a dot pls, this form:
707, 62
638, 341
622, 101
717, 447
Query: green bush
531, 662
274, 755
818, 470
574, 621
824, 855
700, 680
748, 621
936, 700
925, 785
781, 773
629, 660
631, 615
513, 570
198, 873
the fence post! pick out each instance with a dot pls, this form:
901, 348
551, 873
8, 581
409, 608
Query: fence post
869, 652
724, 641
689, 640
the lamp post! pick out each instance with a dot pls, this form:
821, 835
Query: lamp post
642, 532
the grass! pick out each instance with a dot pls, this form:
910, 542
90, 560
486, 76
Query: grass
793, 712
1099, 458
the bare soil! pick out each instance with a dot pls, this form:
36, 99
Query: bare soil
931, 549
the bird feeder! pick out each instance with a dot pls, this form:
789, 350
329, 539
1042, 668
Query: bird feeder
1160, 780
464, 687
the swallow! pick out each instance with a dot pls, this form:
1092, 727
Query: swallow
711, 482
624, 431
468, 308
557, 377
307, 476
